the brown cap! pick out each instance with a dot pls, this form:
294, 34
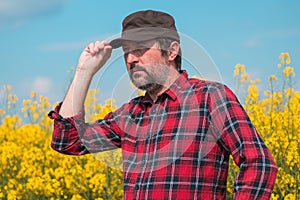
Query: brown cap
146, 25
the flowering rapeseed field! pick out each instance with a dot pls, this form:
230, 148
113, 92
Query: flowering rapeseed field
30, 169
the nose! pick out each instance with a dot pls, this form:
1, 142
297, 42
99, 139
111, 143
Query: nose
131, 57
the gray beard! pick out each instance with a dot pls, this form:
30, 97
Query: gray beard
151, 87
152, 83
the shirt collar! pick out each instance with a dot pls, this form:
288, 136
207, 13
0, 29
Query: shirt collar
178, 84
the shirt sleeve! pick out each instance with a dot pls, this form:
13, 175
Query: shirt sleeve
74, 136
257, 174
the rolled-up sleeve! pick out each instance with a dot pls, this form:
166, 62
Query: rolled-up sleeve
74, 136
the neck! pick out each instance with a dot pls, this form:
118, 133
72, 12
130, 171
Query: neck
158, 89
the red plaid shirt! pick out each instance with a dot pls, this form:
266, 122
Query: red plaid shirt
179, 146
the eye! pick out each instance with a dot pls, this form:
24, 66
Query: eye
141, 51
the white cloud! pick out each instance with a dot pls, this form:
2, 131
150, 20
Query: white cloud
2, 95
19, 10
75, 45
283, 33
63, 46
252, 43
42, 85
259, 38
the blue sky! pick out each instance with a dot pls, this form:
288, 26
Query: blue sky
41, 41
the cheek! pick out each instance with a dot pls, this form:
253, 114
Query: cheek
126, 64
128, 67
152, 59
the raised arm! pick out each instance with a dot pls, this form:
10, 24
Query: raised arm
71, 135
91, 60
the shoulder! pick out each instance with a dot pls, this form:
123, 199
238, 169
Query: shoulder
208, 86
212, 90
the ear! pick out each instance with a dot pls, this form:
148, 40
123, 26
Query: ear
173, 51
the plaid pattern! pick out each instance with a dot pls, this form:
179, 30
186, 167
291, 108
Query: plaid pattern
179, 146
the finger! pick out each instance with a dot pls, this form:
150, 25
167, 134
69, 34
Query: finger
91, 48
107, 49
98, 46
106, 43
107, 52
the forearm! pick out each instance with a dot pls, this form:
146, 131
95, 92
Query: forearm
91, 60
75, 97
65, 137
256, 178
71, 135
75, 137
239, 137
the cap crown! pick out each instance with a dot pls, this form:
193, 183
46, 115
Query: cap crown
148, 18
146, 25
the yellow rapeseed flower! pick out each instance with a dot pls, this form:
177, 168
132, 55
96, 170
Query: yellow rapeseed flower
245, 78
255, 81
8, 87
2, 112
289, 92
253, 91
279, 65
33, 94
274, 196
272, 78
290, 197
288, 71
77, 197
285, 58
12, 98
239, 68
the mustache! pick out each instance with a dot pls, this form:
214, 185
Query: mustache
136, 67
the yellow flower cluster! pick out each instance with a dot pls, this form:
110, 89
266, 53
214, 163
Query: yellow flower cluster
30, 169
95, 110
277, 119
243, 79
11, 99
284, 58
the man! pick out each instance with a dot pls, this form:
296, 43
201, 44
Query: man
176, 140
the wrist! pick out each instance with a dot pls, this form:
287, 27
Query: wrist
83, 74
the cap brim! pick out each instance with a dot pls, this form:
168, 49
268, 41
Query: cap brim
144, 34
116, 43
